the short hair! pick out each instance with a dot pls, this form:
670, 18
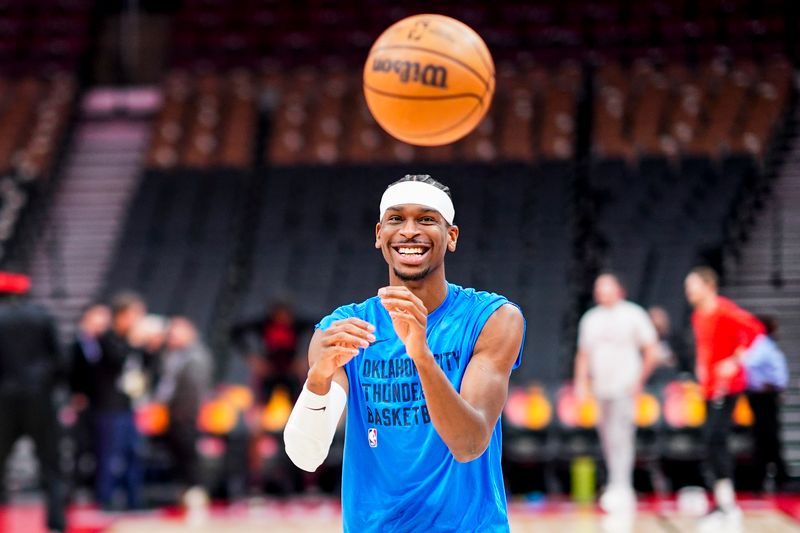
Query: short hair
84, 310
707, 274
423, 178
124, 300
613, 275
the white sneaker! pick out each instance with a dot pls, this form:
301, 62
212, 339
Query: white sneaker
196, 503
717, 520
618, 500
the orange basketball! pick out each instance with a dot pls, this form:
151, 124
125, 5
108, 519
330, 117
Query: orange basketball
429, 80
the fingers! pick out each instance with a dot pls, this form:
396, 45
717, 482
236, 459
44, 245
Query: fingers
402, 293
351, 332
353, 321
345, 338
340, 354
403, 308
402, 299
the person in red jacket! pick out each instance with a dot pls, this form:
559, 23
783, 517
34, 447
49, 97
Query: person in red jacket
723, 332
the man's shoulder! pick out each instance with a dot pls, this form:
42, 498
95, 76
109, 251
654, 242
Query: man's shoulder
634, 310
464, 294
728, 307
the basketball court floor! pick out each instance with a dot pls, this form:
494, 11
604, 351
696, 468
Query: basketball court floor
774, 515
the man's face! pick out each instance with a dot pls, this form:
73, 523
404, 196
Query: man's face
96, 320
697, 289
414, 239
180, 334
607, 290
126, 319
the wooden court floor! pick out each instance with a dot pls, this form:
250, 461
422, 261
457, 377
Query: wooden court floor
776, 515
759, 516
755, 521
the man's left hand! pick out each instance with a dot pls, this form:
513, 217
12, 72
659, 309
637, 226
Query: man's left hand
409, 318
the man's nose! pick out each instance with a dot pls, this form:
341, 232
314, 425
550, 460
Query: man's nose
409, 229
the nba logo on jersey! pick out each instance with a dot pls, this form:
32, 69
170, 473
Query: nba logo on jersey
372, 436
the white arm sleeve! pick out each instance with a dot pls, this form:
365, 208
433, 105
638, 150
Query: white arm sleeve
311, 426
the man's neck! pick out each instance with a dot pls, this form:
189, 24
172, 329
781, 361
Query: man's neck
431, 290
709, 304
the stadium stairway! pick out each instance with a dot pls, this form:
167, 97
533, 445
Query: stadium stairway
81, 229
765, 278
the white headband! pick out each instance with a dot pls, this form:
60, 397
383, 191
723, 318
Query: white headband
421, 193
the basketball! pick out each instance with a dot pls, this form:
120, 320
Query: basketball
429, 80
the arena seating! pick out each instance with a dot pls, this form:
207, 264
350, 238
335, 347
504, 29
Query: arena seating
660, 217
205, 121
34, 115
722, 107
41, 37
39, 56
322, 32
178, 241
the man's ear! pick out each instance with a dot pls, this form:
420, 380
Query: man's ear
452, 238
378, 235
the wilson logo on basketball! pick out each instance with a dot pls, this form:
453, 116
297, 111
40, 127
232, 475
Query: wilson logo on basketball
412, 71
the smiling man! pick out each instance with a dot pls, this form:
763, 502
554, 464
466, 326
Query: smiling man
423, 368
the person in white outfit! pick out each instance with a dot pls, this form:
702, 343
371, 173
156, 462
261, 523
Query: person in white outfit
617, 351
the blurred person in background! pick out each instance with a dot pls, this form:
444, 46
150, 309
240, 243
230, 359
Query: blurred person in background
270, 347
85, 352
767, 377
617, 351
723, 332
31, 367
669, 350
185, 381
116, 377
662, 323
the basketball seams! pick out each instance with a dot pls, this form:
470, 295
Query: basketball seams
478, 105
430, 51
381, 92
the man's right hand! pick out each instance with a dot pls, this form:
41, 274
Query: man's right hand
337, 346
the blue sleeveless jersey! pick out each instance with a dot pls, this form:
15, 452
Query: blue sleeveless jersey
398, 475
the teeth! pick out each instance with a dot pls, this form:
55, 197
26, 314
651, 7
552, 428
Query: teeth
411, 251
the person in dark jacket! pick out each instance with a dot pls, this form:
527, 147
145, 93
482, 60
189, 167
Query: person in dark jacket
767, 377
84, 354
30, 368
115, 378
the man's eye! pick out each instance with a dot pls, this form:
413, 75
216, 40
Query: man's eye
394, 218
428, 220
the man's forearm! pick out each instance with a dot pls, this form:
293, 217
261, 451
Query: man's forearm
581, 370
463, 429
649, 364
